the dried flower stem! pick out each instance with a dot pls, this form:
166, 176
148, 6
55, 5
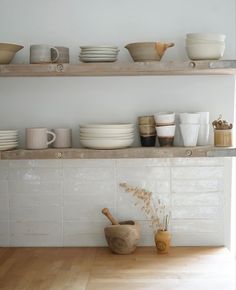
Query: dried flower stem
154, 211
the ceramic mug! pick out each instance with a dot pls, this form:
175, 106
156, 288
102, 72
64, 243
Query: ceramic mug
43, 53
63, 138
64, 56
37, 138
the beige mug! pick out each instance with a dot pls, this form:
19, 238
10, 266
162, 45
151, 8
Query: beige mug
43, 53
64, 56
63, 138
37, 138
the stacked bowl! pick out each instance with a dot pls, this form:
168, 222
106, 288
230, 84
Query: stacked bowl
98, 53
205, 46
106, 136
8, 139
189, 128
165, 128
147, 131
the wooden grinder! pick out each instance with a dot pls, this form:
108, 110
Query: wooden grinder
123, 237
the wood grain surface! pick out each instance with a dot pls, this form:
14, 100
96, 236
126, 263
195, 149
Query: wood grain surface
184, 268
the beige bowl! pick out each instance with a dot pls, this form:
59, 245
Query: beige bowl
147, 51
8, 51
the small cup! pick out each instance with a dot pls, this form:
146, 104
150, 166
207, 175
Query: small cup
166, 135
148, 141
165, 118
189, 134
203, 135
37, 138
64, 56
204, 118
189, 118
146, 120
63, 138
43, 53
147, 130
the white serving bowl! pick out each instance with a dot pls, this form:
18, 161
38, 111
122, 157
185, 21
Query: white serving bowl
200, 41
105, 135
107, 144
164, 118
189, 118
165, 131
189, 134
206, 36
205, 51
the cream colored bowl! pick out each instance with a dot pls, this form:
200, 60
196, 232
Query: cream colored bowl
147, 51
8, 51
205, 51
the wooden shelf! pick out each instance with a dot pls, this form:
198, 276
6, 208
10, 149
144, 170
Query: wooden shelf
223, 67
135, 152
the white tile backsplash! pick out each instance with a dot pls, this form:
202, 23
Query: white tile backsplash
59, 202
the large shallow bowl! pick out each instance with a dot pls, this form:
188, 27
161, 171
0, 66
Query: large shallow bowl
147, 51
106, 131
206, 36
121, 136
106, 144
8, 51
205, 51
108, 126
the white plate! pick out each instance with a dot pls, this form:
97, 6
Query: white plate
106, 144
8, 131
8, 143
8, 134
98, 59
108, 126
106, 131
99, 53
7, 147
106, 138
99, 47
94, 55
103, 135
10, 138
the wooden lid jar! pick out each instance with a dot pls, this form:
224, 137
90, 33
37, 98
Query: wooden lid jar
223, 135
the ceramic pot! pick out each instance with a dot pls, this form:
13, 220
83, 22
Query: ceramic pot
223, 138
148, 141
189, 133
162, 240
164, 118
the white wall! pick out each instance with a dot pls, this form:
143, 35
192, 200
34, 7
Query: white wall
55, 102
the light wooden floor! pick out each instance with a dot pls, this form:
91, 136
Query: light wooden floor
98, 269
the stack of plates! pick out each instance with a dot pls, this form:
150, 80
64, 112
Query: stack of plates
98, 53
8, 139
107, 136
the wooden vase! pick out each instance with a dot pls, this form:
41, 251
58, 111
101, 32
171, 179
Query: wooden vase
162, 240
223, 138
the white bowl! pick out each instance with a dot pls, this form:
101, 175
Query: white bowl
206, 36
205, 51
189, 118
166, 131
107, 144
105, 135
162, 118
190, 41
189, 134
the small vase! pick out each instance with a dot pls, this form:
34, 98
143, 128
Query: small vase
162, 240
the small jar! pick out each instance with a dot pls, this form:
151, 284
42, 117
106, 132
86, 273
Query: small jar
223, 138
162, 240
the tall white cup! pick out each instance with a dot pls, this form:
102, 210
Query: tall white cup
37, 138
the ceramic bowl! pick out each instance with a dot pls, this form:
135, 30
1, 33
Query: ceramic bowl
164, 118
147, 51
189, 118
8, 51
205, 51
106, 144
206, 36
166, 131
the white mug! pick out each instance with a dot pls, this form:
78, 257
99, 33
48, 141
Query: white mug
37, 138
63, 138
43, 53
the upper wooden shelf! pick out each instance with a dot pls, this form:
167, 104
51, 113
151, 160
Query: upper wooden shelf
134, 152
222, 67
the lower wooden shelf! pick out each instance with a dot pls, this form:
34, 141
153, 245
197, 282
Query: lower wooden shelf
134, 152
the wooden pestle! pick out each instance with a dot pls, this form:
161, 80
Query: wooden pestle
107, 213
